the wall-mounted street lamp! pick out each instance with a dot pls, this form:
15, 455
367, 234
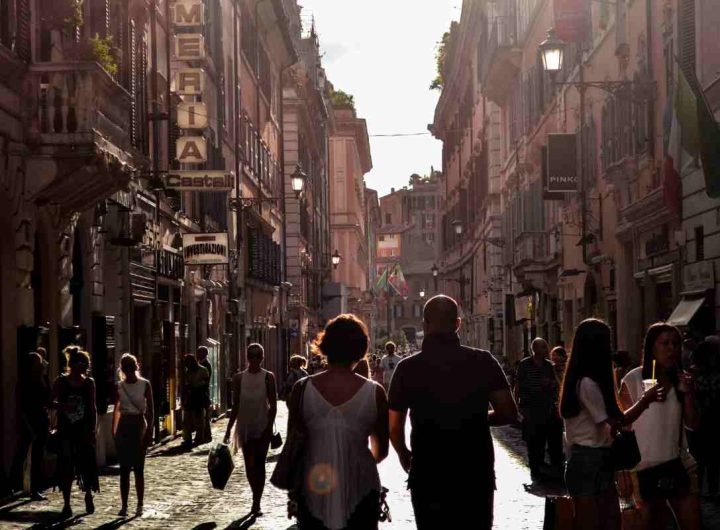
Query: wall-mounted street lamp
552, 55
435, 271
457, 227
336, 258
552, 51
422, 293
297, 180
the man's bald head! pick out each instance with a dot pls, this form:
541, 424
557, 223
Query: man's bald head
441, 315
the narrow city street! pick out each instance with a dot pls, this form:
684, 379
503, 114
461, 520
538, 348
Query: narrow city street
179, 495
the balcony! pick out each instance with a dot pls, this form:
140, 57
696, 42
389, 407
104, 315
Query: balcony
502, 58
78, 131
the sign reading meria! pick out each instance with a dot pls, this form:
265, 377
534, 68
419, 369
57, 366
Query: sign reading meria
205, 249
200, 181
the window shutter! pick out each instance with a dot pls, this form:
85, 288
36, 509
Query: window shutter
133, 85
686, 34
100, 18
23, 30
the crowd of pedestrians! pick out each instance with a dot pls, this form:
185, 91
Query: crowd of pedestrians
644, 438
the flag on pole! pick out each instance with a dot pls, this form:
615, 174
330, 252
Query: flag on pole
698, 133
397, 281
671, 167
381, 283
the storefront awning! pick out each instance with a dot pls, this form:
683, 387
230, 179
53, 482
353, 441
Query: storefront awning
685, 310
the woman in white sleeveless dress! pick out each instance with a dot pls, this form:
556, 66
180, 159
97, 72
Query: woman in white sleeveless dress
340, 412
254, 408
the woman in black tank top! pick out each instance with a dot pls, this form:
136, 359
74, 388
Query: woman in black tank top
74, 400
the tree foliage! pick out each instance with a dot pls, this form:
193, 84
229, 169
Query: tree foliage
440, 55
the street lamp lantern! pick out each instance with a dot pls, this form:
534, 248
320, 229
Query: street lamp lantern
458, 227
422, 293
434, 271
552, 51
336, 257
297, 180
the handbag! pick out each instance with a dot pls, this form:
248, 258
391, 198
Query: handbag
287, 474
276, 439
624, 452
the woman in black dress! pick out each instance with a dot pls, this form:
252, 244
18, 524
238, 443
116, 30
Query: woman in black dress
74, 399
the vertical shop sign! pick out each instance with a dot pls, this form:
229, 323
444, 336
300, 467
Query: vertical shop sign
571, 19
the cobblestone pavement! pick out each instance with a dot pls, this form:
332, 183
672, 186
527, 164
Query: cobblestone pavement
180, 495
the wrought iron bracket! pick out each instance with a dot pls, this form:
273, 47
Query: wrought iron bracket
248, 202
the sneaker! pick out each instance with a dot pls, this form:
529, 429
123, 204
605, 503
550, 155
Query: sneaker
139, 510
35, 496
123, 512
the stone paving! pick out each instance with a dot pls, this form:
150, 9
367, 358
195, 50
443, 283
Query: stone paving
179, 495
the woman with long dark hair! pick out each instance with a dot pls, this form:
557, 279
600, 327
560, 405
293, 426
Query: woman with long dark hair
132, 428
663, 480
589, 408
74, 399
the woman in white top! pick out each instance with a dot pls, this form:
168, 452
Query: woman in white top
589, 408
132, 428
254, 408
340, 411
662, 478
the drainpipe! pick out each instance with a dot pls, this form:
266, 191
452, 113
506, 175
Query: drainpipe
651, 102
235, 291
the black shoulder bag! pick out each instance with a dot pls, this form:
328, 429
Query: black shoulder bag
287, 474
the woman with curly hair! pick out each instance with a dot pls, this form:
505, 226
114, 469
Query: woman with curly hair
74, 399
339, 411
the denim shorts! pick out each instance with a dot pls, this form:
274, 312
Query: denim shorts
588, 471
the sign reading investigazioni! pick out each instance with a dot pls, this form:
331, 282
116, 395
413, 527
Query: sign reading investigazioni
205, 249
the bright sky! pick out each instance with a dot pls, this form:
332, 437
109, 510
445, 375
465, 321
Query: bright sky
383, 53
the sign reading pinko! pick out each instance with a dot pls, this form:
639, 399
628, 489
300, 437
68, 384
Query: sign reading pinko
200, 181
571, 19
562, 174
205, 249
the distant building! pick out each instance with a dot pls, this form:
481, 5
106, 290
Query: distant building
408, 237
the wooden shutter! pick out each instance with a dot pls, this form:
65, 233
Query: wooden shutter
100, 18
133, 84
686, 35
22, 45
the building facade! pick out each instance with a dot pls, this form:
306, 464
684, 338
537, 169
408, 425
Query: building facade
130, 132
350, 160
307, 125
617, 247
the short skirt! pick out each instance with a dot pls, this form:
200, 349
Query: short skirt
129, 441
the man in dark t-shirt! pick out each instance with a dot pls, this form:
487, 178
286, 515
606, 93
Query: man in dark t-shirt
447, 388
